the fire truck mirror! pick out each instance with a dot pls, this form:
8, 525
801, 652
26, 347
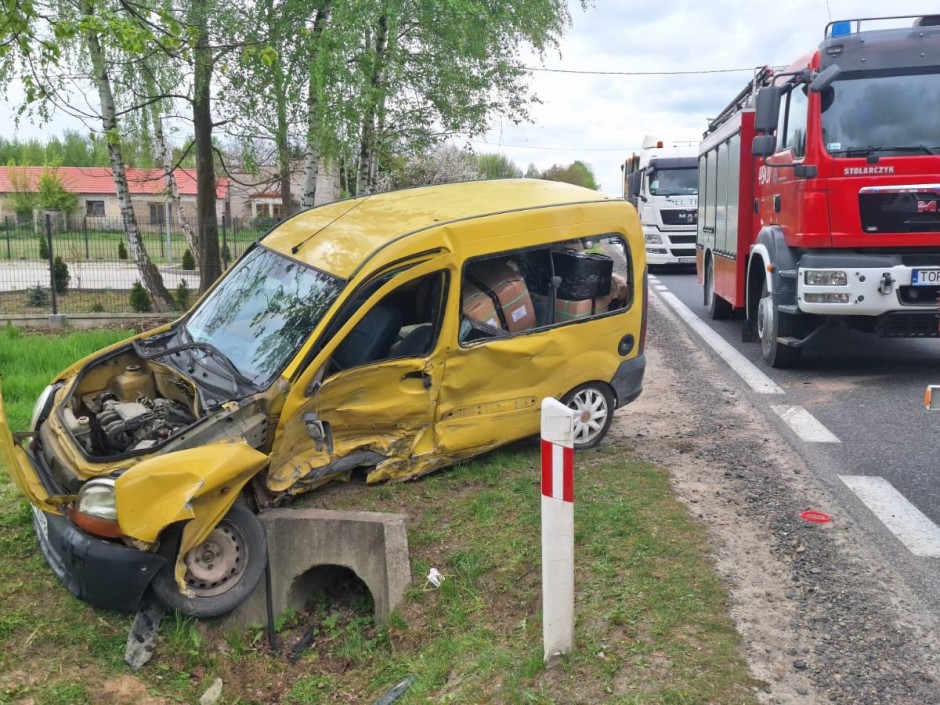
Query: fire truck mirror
825, 78
768, 109
764, 145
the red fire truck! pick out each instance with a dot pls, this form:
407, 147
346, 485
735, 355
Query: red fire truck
819, 188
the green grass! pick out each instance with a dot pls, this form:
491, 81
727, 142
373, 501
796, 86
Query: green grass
652, 622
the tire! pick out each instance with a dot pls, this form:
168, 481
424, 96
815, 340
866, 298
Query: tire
718, 308
595, 406
772, 324
222, 571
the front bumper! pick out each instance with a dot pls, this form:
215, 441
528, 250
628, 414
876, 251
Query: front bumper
876, 285
102, 573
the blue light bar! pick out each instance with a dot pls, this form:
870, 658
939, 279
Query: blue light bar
840, 29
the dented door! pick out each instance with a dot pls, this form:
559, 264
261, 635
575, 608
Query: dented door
370, 397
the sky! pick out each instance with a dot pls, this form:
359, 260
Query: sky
602, 118
592, 110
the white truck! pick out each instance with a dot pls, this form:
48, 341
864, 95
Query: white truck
662, 183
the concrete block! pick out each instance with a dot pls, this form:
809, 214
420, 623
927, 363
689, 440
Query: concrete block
371, 544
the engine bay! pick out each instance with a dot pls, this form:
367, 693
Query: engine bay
125, 404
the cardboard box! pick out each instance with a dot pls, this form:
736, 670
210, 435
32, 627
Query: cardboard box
509, 288
569, 310
479, 307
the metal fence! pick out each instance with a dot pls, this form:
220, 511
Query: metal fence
82, 265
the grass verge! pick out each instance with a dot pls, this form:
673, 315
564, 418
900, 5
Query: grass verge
651, 617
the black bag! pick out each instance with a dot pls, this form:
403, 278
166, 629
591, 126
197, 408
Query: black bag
584, 275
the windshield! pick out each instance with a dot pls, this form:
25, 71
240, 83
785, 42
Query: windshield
866, 114
262, 312
674, 182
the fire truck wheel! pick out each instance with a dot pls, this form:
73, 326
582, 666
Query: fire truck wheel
718, 308
771, 325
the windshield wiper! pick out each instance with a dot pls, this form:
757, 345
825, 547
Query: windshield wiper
870, 149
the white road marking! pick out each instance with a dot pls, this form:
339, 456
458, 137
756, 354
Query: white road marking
903, 519
804, 424
746, 370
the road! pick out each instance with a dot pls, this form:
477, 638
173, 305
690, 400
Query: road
19, 275
854, 412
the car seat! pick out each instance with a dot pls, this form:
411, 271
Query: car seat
370, 339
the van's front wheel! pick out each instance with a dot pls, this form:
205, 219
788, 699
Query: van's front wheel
594, 405
221, 572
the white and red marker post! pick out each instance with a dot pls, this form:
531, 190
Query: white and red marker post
557, 528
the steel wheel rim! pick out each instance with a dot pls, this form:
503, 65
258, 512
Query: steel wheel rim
217, 564
764, 316
591, 408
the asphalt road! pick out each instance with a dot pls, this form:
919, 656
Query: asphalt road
868, 394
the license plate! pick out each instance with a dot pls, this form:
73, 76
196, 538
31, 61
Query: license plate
925, 277
691, 260
42, 524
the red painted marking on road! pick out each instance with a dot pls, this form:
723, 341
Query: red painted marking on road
815, 517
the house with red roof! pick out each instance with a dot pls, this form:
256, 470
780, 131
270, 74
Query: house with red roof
97, 200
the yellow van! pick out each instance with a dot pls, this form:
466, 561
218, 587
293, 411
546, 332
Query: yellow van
392, 334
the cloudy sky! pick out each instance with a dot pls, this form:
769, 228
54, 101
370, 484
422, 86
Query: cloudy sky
600, 118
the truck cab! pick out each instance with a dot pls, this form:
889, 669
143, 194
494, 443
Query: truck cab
662, 183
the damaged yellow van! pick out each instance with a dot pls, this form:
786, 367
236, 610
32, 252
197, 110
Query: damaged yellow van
392, 334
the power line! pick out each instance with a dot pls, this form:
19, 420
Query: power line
638, 73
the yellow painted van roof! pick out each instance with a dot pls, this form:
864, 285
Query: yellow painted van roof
337, 237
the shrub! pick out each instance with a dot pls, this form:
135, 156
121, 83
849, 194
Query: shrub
37, 296
181, 296
60, 275
43, 247
189, 262
122, 250
226, 254
140, 299
97, 307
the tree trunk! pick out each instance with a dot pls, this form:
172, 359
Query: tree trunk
368, 143
165, 159
149, 274
209, 265
312, 154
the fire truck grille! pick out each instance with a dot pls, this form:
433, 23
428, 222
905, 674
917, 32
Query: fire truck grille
929, 259
908, 325
679, 217
899, 212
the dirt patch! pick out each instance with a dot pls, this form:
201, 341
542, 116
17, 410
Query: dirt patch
822, 618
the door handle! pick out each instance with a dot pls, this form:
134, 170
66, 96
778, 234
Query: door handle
419, 374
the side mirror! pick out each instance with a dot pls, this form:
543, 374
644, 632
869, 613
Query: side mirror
824, 78
764, 145
767, 109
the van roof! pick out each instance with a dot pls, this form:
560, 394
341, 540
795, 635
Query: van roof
338, 237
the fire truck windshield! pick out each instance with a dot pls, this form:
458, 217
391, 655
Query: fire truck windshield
673, 182
881, 114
